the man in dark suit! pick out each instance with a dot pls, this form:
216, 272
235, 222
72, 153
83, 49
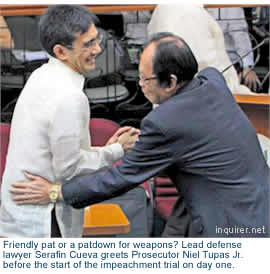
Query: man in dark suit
199, 136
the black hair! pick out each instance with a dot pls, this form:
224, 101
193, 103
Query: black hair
172, 56
61, 24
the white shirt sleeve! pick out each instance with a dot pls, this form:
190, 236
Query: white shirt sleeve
71, 152
238, 31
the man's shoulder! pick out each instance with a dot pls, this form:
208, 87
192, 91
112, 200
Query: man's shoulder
211, 73
160, 116
152, 118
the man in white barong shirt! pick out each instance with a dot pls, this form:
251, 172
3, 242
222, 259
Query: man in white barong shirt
50, 127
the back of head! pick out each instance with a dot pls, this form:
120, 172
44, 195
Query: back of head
62, 24
172, 57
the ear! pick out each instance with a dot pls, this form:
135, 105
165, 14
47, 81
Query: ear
60, 52
173, 84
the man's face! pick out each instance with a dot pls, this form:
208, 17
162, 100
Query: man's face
148, 81
81, 57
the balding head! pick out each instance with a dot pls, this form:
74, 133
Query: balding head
171, 56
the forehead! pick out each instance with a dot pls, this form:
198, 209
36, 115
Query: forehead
147, 57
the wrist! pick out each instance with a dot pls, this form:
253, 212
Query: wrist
122, 147
54, 193
118, 151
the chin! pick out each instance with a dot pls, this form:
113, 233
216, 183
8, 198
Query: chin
91, 67
88, 69
151, 101
148, 98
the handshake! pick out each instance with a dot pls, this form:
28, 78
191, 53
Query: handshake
126, 136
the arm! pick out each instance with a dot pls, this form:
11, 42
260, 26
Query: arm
238, 30
150, 155
69, 141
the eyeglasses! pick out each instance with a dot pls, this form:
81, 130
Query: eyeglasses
90, 45
145, 80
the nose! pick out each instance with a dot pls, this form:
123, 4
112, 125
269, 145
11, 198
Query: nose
97, 49
140, 82
141, 86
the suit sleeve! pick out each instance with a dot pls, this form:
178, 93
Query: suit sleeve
151, 154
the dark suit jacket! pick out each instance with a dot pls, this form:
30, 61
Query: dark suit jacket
209, 150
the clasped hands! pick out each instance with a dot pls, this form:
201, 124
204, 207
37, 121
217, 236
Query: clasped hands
126, 136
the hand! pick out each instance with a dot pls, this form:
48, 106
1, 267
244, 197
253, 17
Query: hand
128, 139
250, 79
114, 138
34, 191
